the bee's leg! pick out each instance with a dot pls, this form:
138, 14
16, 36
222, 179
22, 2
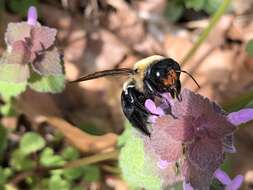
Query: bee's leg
149, 88
151, 91
130, 100
178, 90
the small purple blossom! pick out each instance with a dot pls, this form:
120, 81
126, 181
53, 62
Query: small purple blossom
194, 136
31, 43
32, 16
233, 184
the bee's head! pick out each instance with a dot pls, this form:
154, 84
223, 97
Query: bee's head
163, 76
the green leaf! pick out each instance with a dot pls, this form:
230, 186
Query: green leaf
31, 142
21, 6
197, 5
49, 159
8, 109
20, 162
91, 129
8, 172
211, 6
14, 73
91, 173
250, 104
73, 173
51, 83
57, 182
125, 135
70, 153
174, 11
3, 138
2, 178
138, 169
238, 102
79, 188
249, 48
8, 89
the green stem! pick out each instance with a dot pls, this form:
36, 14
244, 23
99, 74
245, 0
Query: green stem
92, 159
215, 18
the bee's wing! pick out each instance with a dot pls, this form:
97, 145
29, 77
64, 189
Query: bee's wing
113, 72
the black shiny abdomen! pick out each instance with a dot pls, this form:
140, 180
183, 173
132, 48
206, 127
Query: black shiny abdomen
132, 102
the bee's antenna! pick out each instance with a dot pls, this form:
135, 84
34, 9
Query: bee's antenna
113, 72
181, 71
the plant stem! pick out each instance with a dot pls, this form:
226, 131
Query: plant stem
215, 18
92, 159
74, 164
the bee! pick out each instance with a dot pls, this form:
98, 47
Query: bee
149, 78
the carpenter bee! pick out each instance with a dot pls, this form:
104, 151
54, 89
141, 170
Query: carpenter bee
149, 78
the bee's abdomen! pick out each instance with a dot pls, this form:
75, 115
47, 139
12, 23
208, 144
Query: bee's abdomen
133, 107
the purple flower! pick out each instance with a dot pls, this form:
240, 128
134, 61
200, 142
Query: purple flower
225, 180
194, 135
32, 16
31, 43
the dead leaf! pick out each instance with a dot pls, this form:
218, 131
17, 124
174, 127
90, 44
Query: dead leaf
82, 141
9, 122
116, 183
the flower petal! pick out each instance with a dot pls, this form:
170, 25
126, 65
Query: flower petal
32, 15
178, 129
17, 31
236, 183
48, 63
222, 177
240, 117
150, 105
162, 164
206, 153
42, 37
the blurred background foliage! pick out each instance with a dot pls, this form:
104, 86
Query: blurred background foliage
42, 135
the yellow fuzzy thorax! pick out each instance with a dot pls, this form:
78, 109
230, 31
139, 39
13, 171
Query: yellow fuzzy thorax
141, 67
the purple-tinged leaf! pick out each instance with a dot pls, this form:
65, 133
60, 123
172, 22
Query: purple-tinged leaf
42, 37
218, 126
32, 16
206, 153
177, 129
240, 117
169, 149
48, 63
199, 179
17, 31
20, 53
